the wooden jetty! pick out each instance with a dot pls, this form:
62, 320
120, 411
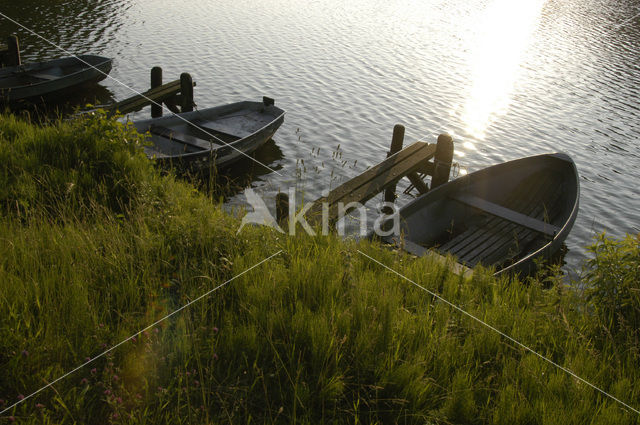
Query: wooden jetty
415, 162
177, 95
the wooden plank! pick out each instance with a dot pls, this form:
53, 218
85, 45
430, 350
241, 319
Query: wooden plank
417, 182
375, 180
507, 214
389, 168
180, 137
499, 237
137, 102
156, 94
420, 251
426, 168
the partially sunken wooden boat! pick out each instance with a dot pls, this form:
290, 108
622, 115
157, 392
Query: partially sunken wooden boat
42, 80
211, 137
505, 216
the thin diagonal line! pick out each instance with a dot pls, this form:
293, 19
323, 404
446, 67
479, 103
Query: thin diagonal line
626, 21
502, 334
139, 332
138, 93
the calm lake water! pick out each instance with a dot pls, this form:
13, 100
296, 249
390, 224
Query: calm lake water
506, 78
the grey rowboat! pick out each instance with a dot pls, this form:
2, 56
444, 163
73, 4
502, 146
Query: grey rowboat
504, 216
211, 137
43, 80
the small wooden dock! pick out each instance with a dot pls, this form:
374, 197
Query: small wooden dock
413, 162
176, 95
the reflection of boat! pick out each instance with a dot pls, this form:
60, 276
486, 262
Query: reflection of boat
268, 154
214, 136
244, 173
41, 79
504, 216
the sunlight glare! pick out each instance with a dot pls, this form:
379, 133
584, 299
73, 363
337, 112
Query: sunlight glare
505, 31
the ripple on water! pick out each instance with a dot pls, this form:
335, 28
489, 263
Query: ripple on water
346, 72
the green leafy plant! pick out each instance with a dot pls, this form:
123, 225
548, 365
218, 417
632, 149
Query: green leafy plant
70, 165
612, 283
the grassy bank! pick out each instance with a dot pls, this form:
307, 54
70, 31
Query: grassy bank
97, 245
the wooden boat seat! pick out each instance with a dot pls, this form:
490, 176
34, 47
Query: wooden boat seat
44, 76
507, 214
178, 136
224, 137
231, 126
47, 74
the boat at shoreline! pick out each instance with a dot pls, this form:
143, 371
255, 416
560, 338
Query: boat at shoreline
43, 80
506, 216
215, 136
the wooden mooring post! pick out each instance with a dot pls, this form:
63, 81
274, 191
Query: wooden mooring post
396, 146
10, 55
186, 92
442, 160
156, 81
13, 51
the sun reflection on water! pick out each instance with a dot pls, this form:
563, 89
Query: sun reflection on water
504, 33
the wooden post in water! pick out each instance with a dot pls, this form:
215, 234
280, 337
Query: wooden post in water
186, 92
13, 51
282, 208
396, 146
442, 160
156, 81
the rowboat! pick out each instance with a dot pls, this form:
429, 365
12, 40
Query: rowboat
504, 216
215, 136
37, 80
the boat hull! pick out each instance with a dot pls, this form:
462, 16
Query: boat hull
43, 80
246, 125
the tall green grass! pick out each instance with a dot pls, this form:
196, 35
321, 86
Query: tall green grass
318, 334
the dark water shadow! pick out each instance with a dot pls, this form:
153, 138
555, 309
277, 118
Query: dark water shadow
228, 182
63, 104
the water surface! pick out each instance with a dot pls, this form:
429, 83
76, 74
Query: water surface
506, 78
